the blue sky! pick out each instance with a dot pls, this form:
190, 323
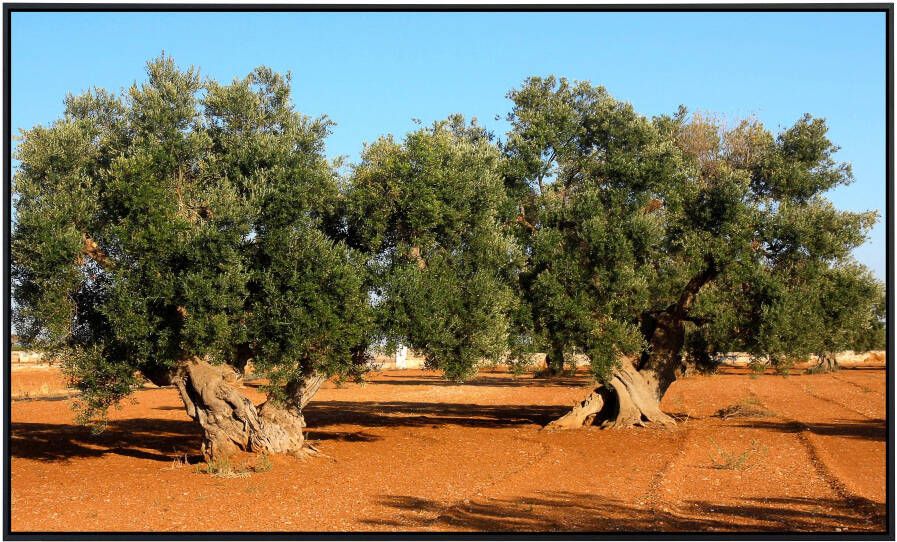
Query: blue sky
372, 73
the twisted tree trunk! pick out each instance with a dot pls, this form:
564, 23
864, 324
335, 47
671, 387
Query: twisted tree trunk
827, 364
554, 360
230, 422
626, 400
632, 395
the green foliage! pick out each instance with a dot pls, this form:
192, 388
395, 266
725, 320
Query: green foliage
429, 212
187, 217
874, 336
726, 229
817, 310
587, 169
184, 218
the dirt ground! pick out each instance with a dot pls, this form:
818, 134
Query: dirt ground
411, 452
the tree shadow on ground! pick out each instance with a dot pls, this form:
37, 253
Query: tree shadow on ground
562, 511
153, 439
485, 380
162, 440
859, 429
794, 371
343, 436
421, 414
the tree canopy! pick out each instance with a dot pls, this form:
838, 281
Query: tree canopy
184, 220
643, 232
185, 227
429, 212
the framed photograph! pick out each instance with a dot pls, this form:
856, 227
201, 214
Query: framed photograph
454, 271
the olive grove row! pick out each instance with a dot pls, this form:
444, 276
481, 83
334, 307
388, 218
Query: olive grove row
186, 227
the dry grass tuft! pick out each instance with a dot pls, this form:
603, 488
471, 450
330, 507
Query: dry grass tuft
749, 407
723, 459
222, 468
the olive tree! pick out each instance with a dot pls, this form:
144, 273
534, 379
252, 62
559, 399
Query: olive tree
176, 232
431, 213
640, 232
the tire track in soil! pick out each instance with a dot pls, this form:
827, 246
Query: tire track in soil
686, 471
652, 498
806, 390
861, 387
479, 490
442, 512
688, 480
873, 513
503, 487
838, 404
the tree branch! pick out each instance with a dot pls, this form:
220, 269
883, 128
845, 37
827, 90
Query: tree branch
521, 219
310, 388
710, 272
541, 177
697, 320
90, 248
415, 255
652, 206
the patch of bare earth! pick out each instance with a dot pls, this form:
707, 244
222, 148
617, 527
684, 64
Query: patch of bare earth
38, 380
408, 451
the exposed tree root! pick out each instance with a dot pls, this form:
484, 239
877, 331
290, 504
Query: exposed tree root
625, 401
632, 396
231, 422
827, 364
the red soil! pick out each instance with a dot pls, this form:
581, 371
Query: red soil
409, 451
38, 381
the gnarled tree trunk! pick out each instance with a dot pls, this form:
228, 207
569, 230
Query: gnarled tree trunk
554, 360
827, 364
632, 395
630, 398
230, 422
